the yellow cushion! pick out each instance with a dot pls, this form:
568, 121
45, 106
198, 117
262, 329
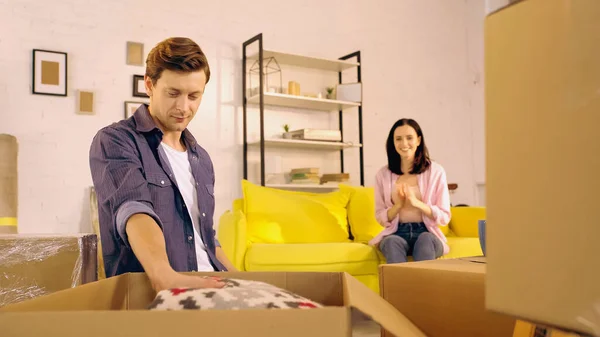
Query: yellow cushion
279, 216
361, 212
237, 205
353, 258
464, 220
463, 247
232, 236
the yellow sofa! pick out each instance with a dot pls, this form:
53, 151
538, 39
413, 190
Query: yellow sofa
277, 230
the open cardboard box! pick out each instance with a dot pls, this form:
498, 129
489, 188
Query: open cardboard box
116, 307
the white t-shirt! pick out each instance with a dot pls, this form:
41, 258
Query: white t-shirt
187, 186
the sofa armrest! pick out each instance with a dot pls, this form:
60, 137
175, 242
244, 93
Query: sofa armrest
464, 220
232, 236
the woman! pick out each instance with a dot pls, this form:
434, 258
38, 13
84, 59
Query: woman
411, 198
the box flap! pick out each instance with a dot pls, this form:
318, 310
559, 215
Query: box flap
330, 322
139, 291
358, 296
452, 265
90, 296
475, 259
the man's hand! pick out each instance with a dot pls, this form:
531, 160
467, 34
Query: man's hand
148, 244
174, 279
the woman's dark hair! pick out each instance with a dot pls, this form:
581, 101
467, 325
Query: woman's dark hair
422, 161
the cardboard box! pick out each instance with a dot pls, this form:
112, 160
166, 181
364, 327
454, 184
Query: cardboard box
36, 265
444, 297
116, 307
542, 74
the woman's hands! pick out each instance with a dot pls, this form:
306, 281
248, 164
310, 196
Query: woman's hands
411, 199
398, 195
409, 196
405, 195
397, 200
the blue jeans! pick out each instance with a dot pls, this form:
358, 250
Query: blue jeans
411, 238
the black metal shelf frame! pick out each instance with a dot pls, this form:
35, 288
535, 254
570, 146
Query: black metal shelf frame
259, 38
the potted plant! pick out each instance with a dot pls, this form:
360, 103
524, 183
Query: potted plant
330, 93
286, 134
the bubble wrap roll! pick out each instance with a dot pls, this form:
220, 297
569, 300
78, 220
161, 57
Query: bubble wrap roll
8, 184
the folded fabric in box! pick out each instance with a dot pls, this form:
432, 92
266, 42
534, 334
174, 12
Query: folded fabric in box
235, 295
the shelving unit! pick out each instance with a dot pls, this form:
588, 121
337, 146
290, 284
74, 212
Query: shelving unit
307, 144
307, 61
302, 102
262, 98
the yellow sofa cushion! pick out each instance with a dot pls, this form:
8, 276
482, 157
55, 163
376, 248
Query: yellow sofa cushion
464, 220
361, 212
463, 247
232, 236
353, 258
279, 216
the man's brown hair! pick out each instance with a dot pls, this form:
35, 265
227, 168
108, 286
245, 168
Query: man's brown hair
178, 54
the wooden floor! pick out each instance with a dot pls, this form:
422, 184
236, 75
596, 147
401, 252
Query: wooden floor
362, 326
366, 329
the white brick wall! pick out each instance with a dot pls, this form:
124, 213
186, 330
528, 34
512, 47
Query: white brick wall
420, 59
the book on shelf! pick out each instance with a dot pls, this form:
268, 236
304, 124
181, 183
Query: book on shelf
310, 175
305, 178
306, 181
335, 177
317, 135
305, 170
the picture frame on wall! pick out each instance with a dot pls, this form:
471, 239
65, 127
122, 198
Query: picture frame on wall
85, 102
131, 107
139, 88
49, 73
135, 53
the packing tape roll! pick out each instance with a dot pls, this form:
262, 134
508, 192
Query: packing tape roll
8, 222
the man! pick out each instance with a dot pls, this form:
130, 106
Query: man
155, 184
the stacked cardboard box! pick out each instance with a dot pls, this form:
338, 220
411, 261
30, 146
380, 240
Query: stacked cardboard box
542, 74
36, 265
447, 297
444, 297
